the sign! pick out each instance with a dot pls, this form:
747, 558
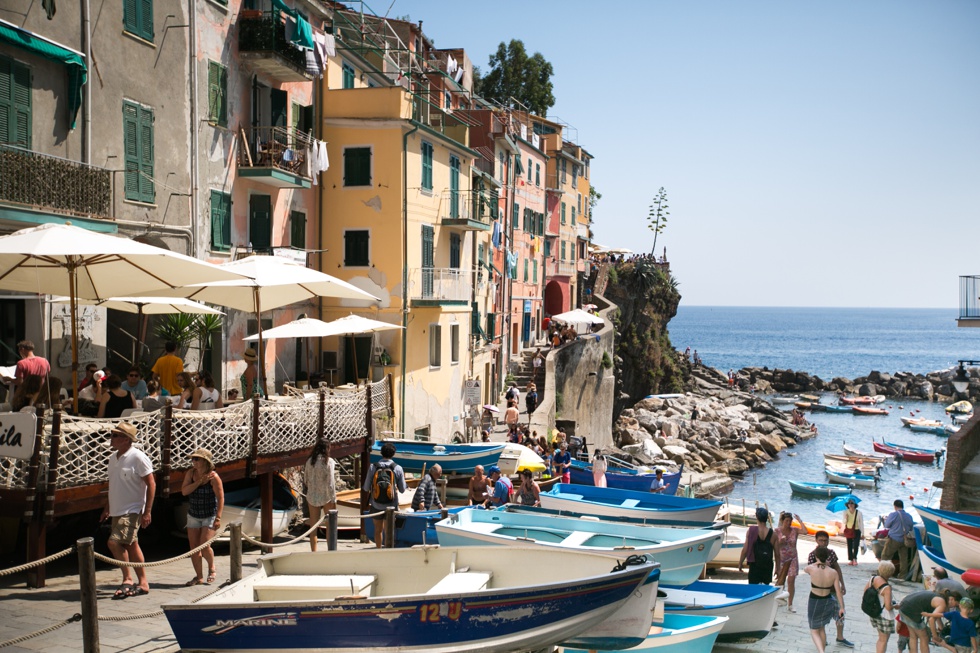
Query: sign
17, 433
527, 305
471, 392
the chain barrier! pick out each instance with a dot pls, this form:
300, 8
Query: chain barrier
36, 563
44, 631
159, 563
298, 538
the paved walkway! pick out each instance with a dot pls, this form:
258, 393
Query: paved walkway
29, 610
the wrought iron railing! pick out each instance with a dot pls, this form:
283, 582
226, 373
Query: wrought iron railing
285, 148
265, 31
42, 181
970, 297
441, 284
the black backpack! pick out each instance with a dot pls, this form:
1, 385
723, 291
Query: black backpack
383, 484
870, 603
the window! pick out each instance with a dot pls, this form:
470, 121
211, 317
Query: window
579, 202
454, 251
573, 215
138, 18
453, 186
348, 75
138, 141
574, 175
217, 93
547, 247
514, 217
15, 103
435, 345
453, 343
541, 224
297, 229
449, 100
564, 167
503, 165
526, 276
563, 213
220, 221
530, 169
535, 277
357, 166
356, 253
563, 250
302, 119
260, 222
426, 165
537, 174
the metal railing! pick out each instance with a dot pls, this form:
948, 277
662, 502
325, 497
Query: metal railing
445, 284
42, 181
265, 31
970, 297
566, 268
285, 148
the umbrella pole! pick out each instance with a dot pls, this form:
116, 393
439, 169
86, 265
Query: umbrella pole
139, 335
353, 349
261, 362
72, 307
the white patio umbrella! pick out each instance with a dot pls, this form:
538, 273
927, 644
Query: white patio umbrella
61, 259
578, 316
270, 282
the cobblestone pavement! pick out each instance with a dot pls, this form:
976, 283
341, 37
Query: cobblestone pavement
28, 610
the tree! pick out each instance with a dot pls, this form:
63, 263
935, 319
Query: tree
594, 197
657, 218
513, 74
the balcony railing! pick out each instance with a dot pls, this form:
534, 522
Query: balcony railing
969, 301
440, 285
280, 148
262, 41
473, 210
41, 181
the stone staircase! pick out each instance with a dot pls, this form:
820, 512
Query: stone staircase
969, 490
524, 373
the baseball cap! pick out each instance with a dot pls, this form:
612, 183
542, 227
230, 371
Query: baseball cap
493, 469
762, 514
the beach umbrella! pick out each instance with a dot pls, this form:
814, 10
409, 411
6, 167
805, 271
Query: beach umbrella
578, 317
303, 327
61, 259
491, 408
839, 504
354, 325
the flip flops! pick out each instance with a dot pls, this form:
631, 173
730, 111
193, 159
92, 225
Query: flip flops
122, 591
212, 575
192, 582
136, 590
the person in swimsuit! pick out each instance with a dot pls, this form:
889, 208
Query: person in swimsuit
826, 599
528, 493
789, 568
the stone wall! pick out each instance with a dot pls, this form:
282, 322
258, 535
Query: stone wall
962, 447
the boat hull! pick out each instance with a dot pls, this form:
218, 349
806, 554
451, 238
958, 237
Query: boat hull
413, 528
859, 480
454, 459
961, 545
932, 516
624, 503
851, 451
677, 633
581, 474
751, 609
819, 489
908, 455
930, 557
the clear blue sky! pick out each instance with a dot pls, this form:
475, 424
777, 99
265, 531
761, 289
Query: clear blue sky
814, 154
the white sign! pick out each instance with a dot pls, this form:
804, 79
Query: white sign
17, 433
471, 392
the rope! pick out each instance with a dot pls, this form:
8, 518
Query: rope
44, 631
296, 539
37, 563
159, 563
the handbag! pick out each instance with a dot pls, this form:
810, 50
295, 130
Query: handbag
909, 540
849, 533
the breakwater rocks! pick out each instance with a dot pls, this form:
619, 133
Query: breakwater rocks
934, 386
730, 433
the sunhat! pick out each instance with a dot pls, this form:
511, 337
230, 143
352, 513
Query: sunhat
127, 429
250, 355
204, 455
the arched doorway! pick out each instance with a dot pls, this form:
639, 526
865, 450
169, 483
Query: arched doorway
554, 298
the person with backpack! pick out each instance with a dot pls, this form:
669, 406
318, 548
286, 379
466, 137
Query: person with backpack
384, 481
759, 550
877, 603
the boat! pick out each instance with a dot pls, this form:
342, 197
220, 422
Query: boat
731, 547
862, 401
950, 429
743, 515
515, 458
785, 401
960, 407
938, 429
908, 455
243, 503
868, 469
349, 505
932, 516
819, 489
624, 478
839, 409
626, 503
458, 487
817, 407
452, 600
883, 458
751, 609
921, 421
681, 552
813, 529
453, 458
812, 398
413, 528
930, 557
803, 405
875, 462
866, 410
677, 633
961, 418
639, 521
961, 544
843, 478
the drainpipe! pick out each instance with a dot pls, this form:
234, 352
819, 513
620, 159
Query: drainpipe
405, 270
87, 104
195, 171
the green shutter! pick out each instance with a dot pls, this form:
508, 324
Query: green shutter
357, 166
131, 147
525, 271
260, 222
147, 191
217, 92
541, 224
427, 166
535, 270
15, 103
563, 213
138, 18
297, 229
146, 19
131, 19
220, 221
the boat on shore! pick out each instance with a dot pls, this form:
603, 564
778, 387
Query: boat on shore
751, 609
349, 505
961, 544
819, 489
932, 516
603, 501
638, 521
731, 547
243, 503
416, 456
676, 633
413, 528
465, 599
624, 478
930, 557
843, 478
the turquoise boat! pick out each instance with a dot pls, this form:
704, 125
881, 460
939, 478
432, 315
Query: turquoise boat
819, 489
677, 633
681, 552
607, 501
935, 430
839, 409
637, 521
858, 480
751, 609
453, 458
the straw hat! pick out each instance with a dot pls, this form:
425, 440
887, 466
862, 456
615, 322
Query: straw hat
250, 355
204, 455
127, 429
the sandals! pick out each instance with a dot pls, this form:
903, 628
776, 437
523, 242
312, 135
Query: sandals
194, 581
127, 590
212, 575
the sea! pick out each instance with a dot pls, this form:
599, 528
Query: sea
834, 342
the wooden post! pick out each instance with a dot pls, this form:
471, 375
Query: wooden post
37, 530
163, 487
33, 510
235, 551
265, 485
321, 417
365, 465
332, 530
33, 471
444, 513
252, 463
86, 583
391, 396
389, 542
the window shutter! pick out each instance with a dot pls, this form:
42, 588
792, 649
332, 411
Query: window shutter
146, 19
6, 99
535, 270
146, 189
131, 145
214, 79
525, 271
131, 16
15, 103
297, 229
220, 221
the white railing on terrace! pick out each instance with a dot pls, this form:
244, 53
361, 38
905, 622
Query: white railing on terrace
440, 284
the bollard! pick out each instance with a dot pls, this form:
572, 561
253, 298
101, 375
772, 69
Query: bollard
332, 530
389, 528
235, 551
86, 583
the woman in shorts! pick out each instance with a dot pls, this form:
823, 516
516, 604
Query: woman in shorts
202, 486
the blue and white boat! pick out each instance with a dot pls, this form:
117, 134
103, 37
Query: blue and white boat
413, 528
929, 428
681, 552
819, 489
432, 599
677, 633
751, 609
639, 521
843, 478
624, 478
453, 458
930, 557
609, 501
930, 517
905, 447
838, 409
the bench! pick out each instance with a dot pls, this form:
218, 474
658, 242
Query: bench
630, 503
460, 582
313, 588
577, 538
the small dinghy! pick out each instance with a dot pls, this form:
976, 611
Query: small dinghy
843, 478
416, 456
839, 409
921, 421
624, 478
625, 503
751, 609
935, 429
961, 418
677, 633
851, 451
867, 410
819, 489
960, 407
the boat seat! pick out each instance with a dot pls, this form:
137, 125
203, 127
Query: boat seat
577, 538
312, 588
705, 599
462, 581
631, 503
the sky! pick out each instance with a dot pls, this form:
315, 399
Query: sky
813, 153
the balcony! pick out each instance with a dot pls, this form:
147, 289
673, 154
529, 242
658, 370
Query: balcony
969, 302
555, 268
262, 44
440, 286
48, 183
277, 156
472, 214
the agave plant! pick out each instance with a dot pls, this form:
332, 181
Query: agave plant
178, 328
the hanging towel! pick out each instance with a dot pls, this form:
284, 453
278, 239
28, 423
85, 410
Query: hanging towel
319, 40
312, 65
330, 45
288, 155
459, 75
322, 158
303, 38
495, 239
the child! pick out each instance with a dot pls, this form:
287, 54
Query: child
962, 631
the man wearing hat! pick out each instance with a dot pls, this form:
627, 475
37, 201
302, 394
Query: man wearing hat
563, 463
131, 491
502, 487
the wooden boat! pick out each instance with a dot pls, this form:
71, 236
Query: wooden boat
961, 544
677, 633
751, 609
625, 503
819, 489
843, 478
803, 405
454, 458
743, 515
243, 503
876, 461
909, 455
932, 516
862, 401
866, 410
638, 521
784, 401
922, 421
624, 478
413, 528
816, 407
349, 504
454, 599
839, 409
960, 407
458, 487
731, 547
930, 557
868, 469
851, 451
938, 429
681, 552
812, 398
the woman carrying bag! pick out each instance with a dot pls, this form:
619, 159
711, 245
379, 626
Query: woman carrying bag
853, 530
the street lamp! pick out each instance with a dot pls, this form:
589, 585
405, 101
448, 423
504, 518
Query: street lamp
961, 382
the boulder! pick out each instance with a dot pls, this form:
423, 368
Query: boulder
675, 453
753, 444
924, 390
868, 390
650, 404
627, 437
735, 466
670, 429
648, 420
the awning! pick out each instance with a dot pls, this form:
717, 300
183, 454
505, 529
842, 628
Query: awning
42, 47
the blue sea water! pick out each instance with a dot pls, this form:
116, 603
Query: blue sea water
831, 342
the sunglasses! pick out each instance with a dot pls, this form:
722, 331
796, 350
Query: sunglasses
133, 375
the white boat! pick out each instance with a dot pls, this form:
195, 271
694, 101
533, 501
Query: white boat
751, 609
419, 599
731, 547
784, 400
959, 418
676, 633
851, 451
613, 502
243, 504
961, 544
349, 505
844, 478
